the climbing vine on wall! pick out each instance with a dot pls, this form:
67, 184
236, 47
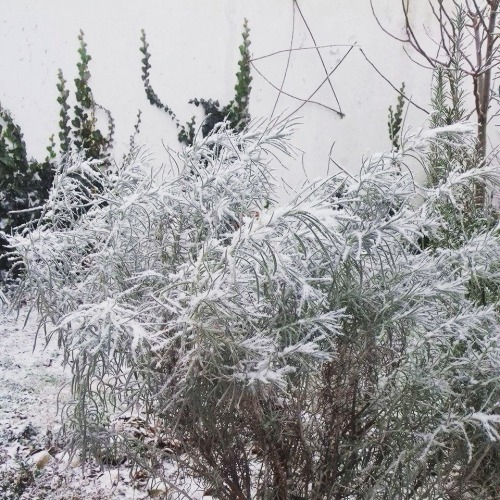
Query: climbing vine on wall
236, 112
82, 130
396, 119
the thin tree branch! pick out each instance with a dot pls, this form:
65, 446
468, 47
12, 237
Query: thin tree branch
287, 61
314, 47
391, 84
319, 54
305, 101
386, 31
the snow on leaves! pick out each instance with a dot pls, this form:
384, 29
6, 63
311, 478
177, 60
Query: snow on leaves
196, 278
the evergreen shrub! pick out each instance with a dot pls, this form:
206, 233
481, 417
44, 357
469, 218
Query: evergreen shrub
307, 350
24, 184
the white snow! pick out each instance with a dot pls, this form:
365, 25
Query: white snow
31, 381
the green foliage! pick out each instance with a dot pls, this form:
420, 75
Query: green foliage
133, 136
80, 133
62, 99
462, 216
82, 128
187, 132
51, 149
396, 120
236, 112
24, 184
87, 137
150, 93
448, 105
12, 146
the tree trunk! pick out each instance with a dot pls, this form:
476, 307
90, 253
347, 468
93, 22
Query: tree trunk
483, 95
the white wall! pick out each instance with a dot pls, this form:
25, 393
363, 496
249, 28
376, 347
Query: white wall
194, 46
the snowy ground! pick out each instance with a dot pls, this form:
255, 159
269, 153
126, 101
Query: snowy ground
32, 462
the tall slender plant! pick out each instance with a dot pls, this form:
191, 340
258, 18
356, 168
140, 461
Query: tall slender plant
396, 120
87, 137
469, 48
64, 127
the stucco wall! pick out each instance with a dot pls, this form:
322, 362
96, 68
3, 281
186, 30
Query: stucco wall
194, 46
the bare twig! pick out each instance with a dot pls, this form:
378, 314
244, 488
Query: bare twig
327, 78
391, 84
281, 91
287, 61
320, 57
297, 49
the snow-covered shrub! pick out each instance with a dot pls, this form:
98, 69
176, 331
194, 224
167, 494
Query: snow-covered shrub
24, 184
309, 350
